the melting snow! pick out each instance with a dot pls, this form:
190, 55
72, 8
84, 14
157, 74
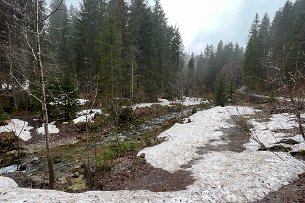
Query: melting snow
86, 115
182, 140
82, 101
186, 101
222, 176
190, 101
21, 129
268, 134
51, 127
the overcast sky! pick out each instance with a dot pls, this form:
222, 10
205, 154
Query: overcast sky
204, 22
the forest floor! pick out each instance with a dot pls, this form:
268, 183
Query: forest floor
209, 158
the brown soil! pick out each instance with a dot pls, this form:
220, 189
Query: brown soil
292, 193
134, 173
21, 179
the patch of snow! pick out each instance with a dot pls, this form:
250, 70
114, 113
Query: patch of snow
86, 115
7, 183
8, 169
190, 101
222, 176
58, 101
264, 132
82, 101
182, 140
51, 127
88, 112
7, 86
19, 127
26, 85
243, 177
186, 101
162, 102
282, 121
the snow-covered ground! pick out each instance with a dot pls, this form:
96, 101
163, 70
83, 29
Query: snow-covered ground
221, 176
186, 101
86, 115
19, 127
51, 127
59, 101
269, 133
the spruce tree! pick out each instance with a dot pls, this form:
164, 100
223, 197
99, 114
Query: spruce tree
252, 58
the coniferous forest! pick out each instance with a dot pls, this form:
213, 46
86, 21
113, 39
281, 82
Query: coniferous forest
104, 96
128, 50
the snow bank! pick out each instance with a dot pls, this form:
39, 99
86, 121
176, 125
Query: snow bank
190, 101
186, 101
21, 129
182, 140
86, 115
162, 102
78, 101
243, 177
222, 176
7, 183
269, 133
51, 127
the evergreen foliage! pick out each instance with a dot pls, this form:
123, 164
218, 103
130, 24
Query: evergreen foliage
220, 95
3, 116
276, 52
62, 96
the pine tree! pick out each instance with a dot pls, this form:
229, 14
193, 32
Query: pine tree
58, 32
252, 58
190, 88
220, 94
88, 28
111, 46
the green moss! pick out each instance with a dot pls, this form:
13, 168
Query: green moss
147, 138
78, 185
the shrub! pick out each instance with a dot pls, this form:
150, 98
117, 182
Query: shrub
194, 110
3, 116
147, 138
126, 116
128, 146
115, 149
104, 160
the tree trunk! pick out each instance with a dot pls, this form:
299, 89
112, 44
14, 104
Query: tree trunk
43, 100
11, 65
298, 115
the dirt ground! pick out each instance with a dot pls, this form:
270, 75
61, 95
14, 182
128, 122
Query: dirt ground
292, 193
134, 173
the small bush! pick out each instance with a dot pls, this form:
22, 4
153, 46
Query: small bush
122, 147
126, 116
3, 116
81, 127
115, 149
104, 160
128, 146
147, 139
